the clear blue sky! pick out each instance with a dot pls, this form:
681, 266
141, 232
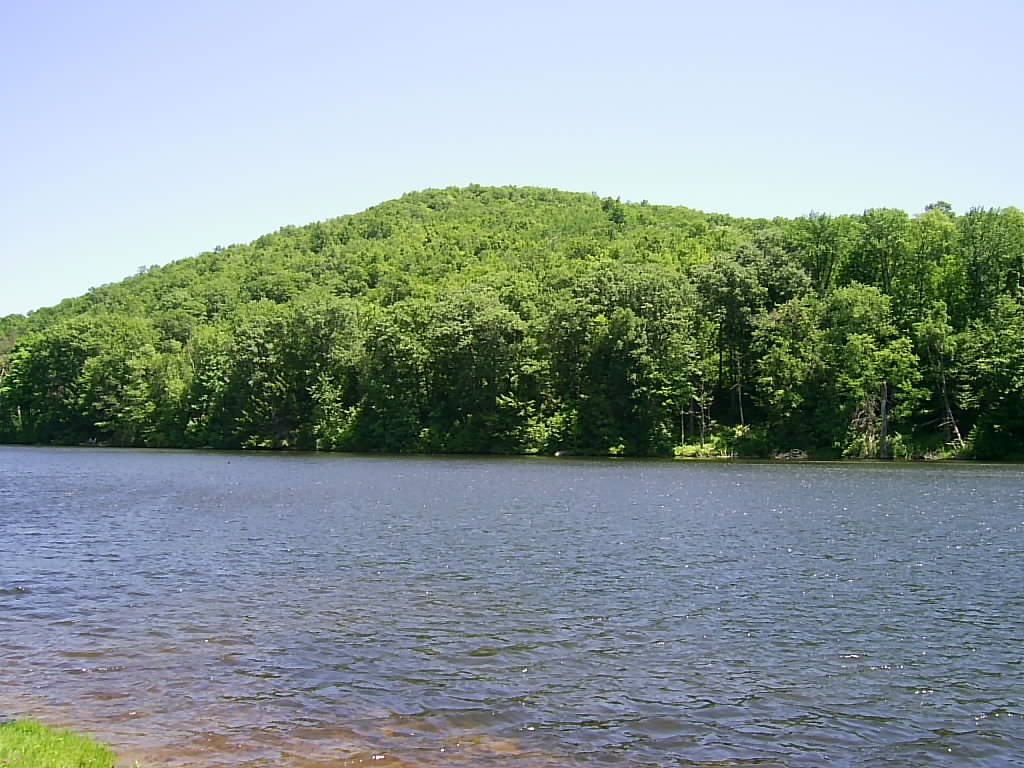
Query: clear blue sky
136, 133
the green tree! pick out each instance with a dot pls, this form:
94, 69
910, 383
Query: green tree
115, 393
991, 373
42, 387
730, 295
992, 257
823, 245
474, 352
936, 345
622, 360
875, 372
391, 408
881, 254
791, 374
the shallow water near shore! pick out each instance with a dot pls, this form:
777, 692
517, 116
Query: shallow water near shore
214, 609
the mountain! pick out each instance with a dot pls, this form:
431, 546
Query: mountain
519, 320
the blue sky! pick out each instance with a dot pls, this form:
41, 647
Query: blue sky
136, 133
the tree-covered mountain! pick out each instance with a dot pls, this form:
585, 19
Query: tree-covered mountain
520, 320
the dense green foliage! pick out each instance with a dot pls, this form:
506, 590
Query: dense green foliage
524, 320
27, 744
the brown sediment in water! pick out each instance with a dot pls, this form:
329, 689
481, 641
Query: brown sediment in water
330, 747
390, 742
325, 747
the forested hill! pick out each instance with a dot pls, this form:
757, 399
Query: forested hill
521, 320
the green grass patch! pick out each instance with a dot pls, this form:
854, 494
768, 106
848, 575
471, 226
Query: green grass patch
27, 744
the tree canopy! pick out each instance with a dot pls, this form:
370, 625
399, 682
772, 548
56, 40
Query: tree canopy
522, 320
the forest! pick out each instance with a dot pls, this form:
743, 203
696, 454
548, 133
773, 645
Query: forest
521, 320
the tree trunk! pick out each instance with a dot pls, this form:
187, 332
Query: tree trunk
739, 388
883, 440
703, 414
950, 421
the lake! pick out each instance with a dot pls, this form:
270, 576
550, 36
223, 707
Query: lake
215, 609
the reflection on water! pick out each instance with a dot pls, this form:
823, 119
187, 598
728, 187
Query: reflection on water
227, 609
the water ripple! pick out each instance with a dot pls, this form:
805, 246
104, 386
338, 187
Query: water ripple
227, 609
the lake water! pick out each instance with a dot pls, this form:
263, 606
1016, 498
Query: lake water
214, 609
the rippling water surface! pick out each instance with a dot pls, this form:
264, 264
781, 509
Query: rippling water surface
211, 609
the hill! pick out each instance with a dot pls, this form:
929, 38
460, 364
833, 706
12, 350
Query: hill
519, 320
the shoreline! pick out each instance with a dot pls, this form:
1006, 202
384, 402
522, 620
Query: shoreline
785, 457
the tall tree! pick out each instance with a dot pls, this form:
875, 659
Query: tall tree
874, 371
991, 373
729, 295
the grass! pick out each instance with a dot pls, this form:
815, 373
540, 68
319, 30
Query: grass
28, 744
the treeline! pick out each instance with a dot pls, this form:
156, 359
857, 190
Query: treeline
517, 320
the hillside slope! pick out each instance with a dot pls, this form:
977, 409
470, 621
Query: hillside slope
523, 320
